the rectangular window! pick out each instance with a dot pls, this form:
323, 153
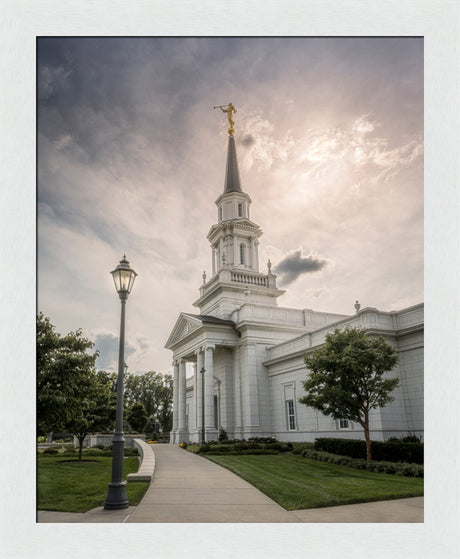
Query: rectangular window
344, 424
240, 210
241, 253
290, 414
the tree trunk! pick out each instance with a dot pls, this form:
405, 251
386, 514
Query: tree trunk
80, 447
367, 436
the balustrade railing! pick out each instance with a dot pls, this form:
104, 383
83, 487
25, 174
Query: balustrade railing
249, 279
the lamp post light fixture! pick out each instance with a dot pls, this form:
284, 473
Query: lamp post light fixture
116, 498
202, 406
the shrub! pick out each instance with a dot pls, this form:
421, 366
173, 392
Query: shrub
241, 447
390, 451
406, 439
95, 451
402, 469
262, 440
51, 450
298, 448
195, 448
130, 451
223, 435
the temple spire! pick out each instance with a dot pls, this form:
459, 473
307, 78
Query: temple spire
232, 174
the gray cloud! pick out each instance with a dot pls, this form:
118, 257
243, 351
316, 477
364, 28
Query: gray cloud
295, 264
248, 140
108, 345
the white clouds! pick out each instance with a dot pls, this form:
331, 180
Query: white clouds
265, 147
64, 141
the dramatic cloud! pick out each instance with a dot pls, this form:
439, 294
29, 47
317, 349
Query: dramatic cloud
131, 157
295, 265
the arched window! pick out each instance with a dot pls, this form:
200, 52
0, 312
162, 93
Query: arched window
220, 213
241, 253
240, 210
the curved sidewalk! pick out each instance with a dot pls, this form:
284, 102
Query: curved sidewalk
188, 488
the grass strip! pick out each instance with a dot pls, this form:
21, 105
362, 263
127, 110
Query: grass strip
66, 485
297, 483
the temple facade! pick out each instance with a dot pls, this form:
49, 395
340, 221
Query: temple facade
239, 360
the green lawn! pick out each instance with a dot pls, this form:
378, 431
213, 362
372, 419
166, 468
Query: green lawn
299, 483
72, 486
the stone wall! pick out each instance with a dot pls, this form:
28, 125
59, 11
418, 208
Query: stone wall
106, 440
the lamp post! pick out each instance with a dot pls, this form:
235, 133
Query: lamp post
202, 371
116, 498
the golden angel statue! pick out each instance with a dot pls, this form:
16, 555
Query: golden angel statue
229, 111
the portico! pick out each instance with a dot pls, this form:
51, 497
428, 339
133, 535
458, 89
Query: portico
207, 344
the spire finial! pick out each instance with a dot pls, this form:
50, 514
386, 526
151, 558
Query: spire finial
229, 111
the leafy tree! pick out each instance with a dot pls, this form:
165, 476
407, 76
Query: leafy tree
347, 377
165, 407
137, 417
144, 389
151, 428
96, 411
65, 371
154, 391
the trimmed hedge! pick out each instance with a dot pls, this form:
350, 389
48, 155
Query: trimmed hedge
389, 451
383, 467
240, 447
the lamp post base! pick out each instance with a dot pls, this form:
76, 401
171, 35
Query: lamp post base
116, 497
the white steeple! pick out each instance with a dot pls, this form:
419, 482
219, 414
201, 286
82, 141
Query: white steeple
234, 241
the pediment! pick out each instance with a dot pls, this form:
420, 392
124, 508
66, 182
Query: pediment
184, 326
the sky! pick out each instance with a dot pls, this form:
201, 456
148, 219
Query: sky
131, 158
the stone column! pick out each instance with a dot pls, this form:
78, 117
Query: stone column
256, 254
237, 392
236, 251
191, 423
173, 438
199, 393
213, 248
221, 252
181, 430
251, 251
210, 428
251, 419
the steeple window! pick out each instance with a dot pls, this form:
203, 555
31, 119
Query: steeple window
242, 260
240, 210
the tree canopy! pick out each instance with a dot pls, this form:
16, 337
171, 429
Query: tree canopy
96, 411
347, 377
154, 391
65, 371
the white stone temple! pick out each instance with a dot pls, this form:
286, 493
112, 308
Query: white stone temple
247, 353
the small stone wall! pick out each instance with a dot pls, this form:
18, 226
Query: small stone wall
106, 440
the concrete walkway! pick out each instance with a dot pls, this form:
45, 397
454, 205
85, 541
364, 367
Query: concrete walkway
188, 488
